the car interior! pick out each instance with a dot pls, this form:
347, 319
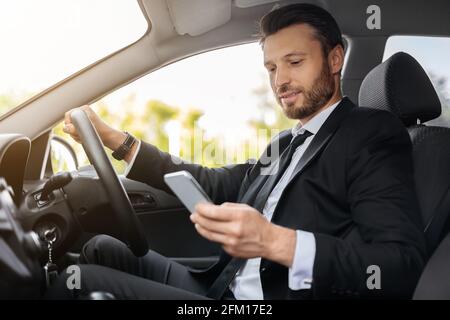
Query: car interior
37, 204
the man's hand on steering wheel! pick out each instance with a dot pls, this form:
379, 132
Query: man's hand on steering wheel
110, 137
89, 130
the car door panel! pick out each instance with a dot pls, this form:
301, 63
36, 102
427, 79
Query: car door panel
166, 223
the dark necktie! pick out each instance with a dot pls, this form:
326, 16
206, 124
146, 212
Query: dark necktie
274, 178
222, 282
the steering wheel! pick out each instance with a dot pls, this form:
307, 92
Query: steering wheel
130, 227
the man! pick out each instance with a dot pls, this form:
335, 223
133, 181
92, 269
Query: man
341, 204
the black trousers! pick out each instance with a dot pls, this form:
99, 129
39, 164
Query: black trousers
107, 265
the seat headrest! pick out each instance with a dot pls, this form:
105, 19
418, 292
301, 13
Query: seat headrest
400, 85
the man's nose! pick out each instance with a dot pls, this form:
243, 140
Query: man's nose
281, 77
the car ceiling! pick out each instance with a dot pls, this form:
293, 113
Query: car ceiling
197, 17
177, 30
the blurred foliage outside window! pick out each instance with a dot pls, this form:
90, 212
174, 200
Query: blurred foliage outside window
153, 126
155, 121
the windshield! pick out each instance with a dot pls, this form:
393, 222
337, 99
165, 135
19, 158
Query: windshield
45, 41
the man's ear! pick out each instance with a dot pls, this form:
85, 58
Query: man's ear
336, 59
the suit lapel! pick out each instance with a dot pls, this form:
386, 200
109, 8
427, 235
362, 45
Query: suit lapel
256, 176
319, 142
321, 139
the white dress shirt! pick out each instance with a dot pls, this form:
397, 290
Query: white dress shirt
247, 283
130, 165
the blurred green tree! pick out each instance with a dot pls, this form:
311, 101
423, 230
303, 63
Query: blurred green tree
151, 125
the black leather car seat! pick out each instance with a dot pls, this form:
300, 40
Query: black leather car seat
400, 85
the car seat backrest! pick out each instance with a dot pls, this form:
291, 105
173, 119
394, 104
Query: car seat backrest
400, 85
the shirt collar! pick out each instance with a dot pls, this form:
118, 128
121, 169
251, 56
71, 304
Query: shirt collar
316, 122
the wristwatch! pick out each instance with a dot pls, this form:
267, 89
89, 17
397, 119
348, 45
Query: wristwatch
125, 147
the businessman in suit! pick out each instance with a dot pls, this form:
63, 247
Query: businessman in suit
338, 201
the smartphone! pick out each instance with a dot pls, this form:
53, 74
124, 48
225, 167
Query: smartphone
186, 188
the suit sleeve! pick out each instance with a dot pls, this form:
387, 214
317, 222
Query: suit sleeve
384, 253
221, 184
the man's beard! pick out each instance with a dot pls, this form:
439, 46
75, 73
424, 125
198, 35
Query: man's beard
313, 100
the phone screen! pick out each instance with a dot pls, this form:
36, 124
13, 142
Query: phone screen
186, 188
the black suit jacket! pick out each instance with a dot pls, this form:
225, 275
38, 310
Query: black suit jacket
353, 188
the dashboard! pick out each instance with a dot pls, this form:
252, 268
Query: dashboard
14, 153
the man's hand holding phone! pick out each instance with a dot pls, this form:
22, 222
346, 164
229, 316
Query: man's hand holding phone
241, 230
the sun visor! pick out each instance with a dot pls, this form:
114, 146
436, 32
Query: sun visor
251, 3
195, 17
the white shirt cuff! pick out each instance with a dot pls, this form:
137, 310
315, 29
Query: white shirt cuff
301, 272
130, 165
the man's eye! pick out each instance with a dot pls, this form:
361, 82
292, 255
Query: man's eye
296, 62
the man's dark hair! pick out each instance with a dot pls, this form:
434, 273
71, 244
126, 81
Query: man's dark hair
326, 28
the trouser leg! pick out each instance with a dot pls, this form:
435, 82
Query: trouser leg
108, 265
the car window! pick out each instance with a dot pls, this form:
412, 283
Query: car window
215, 108
45, 41
432, 53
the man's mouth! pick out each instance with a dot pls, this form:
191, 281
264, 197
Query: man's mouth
289, 97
